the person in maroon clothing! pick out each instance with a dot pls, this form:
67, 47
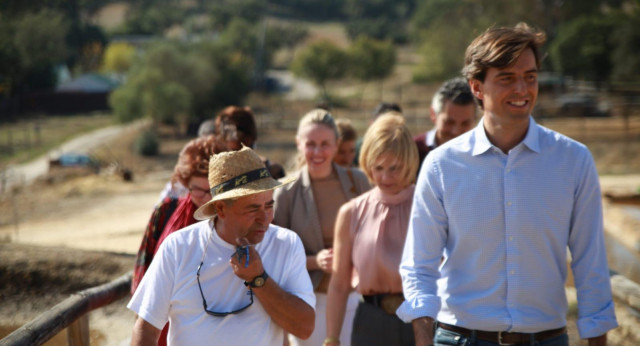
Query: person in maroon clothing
172, 214
236, 126
453, 112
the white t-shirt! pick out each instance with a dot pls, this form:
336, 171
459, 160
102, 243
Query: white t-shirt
169, 290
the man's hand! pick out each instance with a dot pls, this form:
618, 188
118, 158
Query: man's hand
324, 258
598, 340
285, 309
242, 269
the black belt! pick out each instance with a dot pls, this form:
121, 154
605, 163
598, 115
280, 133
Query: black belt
389, 303
505, 338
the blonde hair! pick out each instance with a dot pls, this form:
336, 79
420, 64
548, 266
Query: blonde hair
316, 116
389, 134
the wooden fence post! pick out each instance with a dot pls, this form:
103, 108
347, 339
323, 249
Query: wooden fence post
61, 316
78, 332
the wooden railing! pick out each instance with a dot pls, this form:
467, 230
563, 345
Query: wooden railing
627, 299
72, 313
626, 291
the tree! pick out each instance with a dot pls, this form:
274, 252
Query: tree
40, 38
240, 35
371, 59
625, 56
582, 48
442, 29
223, 12
286, 36
86, 46
152, 18
168, 102
30, 46
167, 83
309, 9
9, 56
126, 103
182, 83
234, 82
380, 19
118, 57
321, 62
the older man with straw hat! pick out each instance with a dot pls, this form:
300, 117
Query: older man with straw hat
204, 277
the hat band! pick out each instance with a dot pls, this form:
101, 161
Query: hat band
240, 180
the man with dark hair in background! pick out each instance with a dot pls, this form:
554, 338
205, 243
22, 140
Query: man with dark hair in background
453, 112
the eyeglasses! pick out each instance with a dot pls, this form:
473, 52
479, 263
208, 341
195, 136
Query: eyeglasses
198, 192
204, 301
221, 314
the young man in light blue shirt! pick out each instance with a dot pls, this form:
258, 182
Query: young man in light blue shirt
494, 212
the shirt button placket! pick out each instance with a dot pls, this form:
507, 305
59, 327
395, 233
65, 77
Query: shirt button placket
510, 229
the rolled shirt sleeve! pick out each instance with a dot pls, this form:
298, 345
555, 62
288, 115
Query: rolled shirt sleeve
423, 247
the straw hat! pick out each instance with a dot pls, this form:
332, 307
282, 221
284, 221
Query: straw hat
234, 174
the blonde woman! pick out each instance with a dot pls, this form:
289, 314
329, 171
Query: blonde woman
369, 237
309, 207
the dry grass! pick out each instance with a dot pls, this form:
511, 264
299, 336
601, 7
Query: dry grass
32, 137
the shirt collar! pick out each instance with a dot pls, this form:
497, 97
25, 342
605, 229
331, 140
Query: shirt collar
482, 143
531, 140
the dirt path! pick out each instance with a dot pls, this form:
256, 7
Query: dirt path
113, 222
28, 172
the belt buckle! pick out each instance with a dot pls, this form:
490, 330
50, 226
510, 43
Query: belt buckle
500, 340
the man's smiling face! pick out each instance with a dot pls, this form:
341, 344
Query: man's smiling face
509, 92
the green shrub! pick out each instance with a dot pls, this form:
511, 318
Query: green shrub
147, 144
126, 105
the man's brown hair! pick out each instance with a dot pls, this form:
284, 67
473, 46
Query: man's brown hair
346, 131
500, 47
237, 122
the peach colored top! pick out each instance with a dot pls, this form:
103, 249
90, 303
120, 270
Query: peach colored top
378, 230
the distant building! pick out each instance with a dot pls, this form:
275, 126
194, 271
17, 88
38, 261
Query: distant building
86, 93
89, 83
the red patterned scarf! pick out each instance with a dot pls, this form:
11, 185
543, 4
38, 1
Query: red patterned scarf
181, 218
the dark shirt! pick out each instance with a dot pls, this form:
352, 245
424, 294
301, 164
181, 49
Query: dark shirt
423, 148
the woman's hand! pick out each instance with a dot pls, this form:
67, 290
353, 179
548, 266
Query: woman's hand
324, 259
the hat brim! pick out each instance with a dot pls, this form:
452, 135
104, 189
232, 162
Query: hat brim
206, 211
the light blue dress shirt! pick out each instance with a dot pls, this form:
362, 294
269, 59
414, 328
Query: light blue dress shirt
503, 223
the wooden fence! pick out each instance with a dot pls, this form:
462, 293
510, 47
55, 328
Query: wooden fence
72, 313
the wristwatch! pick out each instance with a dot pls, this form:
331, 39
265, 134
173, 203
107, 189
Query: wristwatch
258, 281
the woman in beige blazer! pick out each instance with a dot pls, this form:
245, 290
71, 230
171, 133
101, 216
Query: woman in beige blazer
309, 207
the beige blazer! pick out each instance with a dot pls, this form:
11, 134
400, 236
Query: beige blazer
295, 208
